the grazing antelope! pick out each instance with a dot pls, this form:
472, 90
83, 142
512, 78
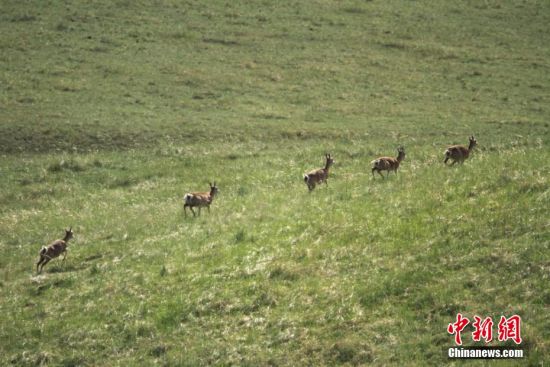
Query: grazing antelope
53, 250
459, 153
388, 163
199, 199
320, 175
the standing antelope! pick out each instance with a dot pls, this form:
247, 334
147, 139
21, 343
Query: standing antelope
459, 153
388, 163
53, 250
199, 199
320, 175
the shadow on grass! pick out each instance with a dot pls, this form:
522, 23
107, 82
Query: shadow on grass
93, 257
54, 283
62, 268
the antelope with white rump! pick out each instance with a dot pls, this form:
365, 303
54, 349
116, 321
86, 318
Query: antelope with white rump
199, 199
459, 153
388, 163
53, 250
320, 175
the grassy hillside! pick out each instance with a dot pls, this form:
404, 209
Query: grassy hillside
111, 111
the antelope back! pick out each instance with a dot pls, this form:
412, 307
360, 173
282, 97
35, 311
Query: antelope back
197, 198
458, 151
385, 163
317, 175
56, 248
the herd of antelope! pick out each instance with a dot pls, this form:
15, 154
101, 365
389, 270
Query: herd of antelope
456, 153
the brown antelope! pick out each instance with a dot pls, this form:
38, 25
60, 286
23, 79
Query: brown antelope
199, 199
459, 153
53, 250
320, 175
388, 163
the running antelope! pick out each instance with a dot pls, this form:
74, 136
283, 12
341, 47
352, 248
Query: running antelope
388, 163
53, 250
459, 153
320, 175
199, 199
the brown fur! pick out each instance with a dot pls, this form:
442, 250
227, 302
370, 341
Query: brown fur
199, 199
388, 163
320, 175
53, 250
459, 153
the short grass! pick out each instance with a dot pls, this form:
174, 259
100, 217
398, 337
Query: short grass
111, 111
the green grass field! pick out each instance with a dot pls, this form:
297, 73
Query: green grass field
110, 111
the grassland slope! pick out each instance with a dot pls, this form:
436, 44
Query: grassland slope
111, 110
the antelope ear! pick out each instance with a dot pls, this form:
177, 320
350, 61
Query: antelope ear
214, 183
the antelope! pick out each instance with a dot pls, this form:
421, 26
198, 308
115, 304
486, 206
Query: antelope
388, 163
459, 153
53, 250
320, 175
199, 199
